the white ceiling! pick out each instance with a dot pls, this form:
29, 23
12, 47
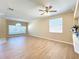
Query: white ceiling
28, 9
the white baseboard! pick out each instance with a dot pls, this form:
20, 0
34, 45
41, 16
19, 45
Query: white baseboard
53, 39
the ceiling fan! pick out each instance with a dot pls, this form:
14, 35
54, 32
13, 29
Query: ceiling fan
47, 10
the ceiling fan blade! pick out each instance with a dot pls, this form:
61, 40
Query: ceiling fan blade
42, 13
53, 11
41, 10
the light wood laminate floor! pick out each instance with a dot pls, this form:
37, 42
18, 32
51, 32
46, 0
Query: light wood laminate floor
35, 48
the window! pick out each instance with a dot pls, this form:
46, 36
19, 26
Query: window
17, 29
55, 25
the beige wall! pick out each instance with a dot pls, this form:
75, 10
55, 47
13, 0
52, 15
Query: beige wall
3, 31
40, 28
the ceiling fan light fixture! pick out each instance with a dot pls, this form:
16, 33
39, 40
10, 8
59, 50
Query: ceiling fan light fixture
47, 9
50, 6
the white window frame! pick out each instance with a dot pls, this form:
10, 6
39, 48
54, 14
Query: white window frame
55, 24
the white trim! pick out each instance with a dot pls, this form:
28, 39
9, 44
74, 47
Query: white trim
17, 19
53, 40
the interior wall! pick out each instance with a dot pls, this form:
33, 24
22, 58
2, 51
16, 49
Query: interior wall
3, 31
40, 28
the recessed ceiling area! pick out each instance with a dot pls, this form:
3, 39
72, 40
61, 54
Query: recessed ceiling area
28, 9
